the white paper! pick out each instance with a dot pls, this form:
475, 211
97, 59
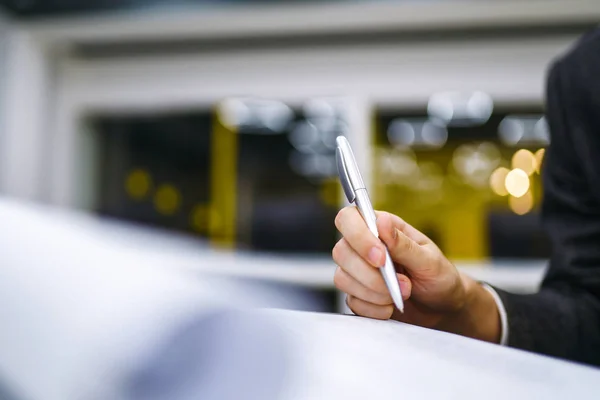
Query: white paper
85, 314
86, 318
349, 357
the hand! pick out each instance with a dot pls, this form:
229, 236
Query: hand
436, 294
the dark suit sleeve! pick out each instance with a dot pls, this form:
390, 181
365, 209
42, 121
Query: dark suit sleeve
563, 319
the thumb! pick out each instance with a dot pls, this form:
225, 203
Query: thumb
404, 250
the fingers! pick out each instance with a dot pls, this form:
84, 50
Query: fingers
386, 222
357, 268
354, 229
365, 309
347, 284
406, 251
405, 286
402, 241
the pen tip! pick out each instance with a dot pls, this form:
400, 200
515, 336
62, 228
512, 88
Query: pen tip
397, 298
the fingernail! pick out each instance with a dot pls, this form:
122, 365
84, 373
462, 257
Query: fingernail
404, 288
403, 285
375, 256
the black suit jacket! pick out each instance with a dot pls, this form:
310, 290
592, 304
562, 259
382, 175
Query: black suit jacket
563, 319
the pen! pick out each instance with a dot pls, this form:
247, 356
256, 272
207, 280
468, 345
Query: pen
356, 192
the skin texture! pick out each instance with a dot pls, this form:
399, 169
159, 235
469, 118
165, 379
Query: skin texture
436, 294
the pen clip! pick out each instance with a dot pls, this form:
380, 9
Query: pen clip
344, 176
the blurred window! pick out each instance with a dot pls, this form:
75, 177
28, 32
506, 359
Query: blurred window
155, 170
470, 182
263, 184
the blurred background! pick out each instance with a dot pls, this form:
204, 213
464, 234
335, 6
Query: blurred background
215, 121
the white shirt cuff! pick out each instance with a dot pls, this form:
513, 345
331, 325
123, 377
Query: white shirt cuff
502, 312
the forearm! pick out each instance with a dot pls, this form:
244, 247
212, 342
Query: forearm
479, 318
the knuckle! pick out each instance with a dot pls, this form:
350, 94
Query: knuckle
338, 279
337, 253
401, 224
353, 304
350, 302
404, 244
382, 299
373, 283
339, 218
387, 311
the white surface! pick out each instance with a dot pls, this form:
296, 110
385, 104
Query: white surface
192, 255
274, 19
5, 26
24, 123
85, 317
88, 315
346, 357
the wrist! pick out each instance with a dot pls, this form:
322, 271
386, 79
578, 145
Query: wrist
479, 317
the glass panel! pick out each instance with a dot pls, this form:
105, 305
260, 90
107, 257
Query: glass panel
473, 186
288, 188
155, 170
194, 173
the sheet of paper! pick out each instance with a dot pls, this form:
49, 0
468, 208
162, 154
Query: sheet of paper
349, 357
85, 317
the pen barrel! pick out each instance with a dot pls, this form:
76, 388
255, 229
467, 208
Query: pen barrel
363, 203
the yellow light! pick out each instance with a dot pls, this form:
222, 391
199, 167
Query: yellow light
167, 199
539, 158
521, 205
329, 192
200, 218
497, 180
524, 160
517, 182
138, 184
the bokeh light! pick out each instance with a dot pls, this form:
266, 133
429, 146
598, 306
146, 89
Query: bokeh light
200, 217
417, 133
523, 130
434, 135
539, 158
525, 161
475, 163
460, 108
521, 205
397, 167
430, 177
167, 199
541, 132
138, 184
304, 137
497, 181
517, 182
401, 133
511, 130
259, 115
233, 113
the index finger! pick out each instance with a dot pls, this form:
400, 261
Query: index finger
354, 229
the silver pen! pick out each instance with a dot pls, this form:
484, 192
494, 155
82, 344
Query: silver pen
356, 192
